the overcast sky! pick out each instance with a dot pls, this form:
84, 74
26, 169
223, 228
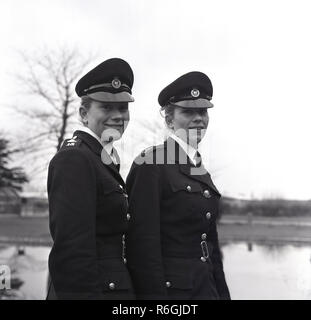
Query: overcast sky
257, 54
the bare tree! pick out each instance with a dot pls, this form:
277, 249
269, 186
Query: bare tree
49, 78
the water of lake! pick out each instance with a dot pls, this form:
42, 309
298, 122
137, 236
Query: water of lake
252, 271
268, 272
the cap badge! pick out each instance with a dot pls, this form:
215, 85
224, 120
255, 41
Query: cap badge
116, 83
195, 93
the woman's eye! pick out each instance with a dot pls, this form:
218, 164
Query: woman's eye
188, 112
123, 109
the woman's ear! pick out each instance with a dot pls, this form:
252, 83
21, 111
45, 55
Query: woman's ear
83, 115
169, 122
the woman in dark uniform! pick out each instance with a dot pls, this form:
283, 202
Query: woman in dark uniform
87, 197
172, 242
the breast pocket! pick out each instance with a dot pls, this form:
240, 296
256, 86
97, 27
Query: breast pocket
112, 193
184, 198
108, 188
186, 187
112, 207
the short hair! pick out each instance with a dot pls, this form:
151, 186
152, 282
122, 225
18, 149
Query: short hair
168, 112
86, 102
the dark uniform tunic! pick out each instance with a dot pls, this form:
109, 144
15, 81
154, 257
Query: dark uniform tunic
88, 219
172, 242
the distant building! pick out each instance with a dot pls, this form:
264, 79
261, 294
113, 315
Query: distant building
34, 204
10, 201
25, 204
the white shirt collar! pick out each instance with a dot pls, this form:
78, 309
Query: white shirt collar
108, 146
190, 151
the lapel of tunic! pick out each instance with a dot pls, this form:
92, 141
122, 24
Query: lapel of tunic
116, 155
98, 149
176, 155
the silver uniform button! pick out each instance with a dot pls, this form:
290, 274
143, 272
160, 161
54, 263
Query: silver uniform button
124, 260
206, 194
189, 188
203, 259
121, 188
208, 215
128, 217
112, 286
123, 237
168, 284
204, 236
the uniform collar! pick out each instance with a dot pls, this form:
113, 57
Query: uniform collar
108, 146
90, 140
190, 151
177, 154
90, 132
95, 145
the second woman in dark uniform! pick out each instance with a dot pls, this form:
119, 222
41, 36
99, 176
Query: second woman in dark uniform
172, 243
87, 196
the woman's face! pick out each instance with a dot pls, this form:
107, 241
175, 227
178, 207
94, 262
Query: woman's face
189, 124
107, 120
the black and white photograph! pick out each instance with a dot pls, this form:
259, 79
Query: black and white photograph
155, 150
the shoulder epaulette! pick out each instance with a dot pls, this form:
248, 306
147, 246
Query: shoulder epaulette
73, 142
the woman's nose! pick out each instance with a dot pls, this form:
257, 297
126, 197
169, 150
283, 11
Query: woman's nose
120, 116
116, 114
197, 117
200, 117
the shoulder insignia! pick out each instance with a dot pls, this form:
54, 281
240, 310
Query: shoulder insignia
73, 142
73, 139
